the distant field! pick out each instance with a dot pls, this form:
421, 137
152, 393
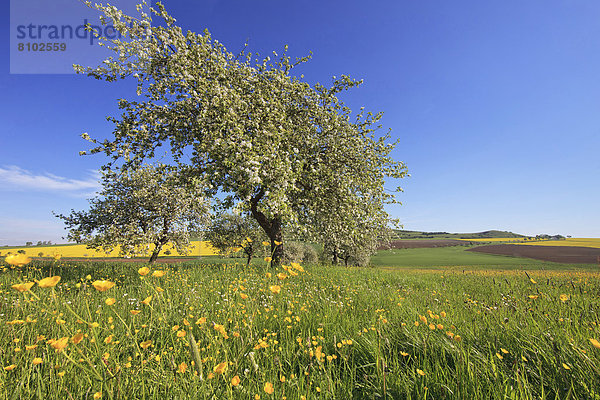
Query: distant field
512, 239
458, 257
576, 242
199, 248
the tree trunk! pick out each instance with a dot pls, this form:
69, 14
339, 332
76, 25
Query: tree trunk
154, 256
272, 228
249, 255
335, 257
157, 248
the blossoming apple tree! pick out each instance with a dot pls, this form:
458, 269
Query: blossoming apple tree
289, 153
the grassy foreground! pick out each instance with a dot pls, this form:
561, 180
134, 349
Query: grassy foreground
321, 333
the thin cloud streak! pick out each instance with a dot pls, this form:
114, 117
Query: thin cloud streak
15, 177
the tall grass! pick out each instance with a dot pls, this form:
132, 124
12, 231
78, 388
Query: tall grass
328, 333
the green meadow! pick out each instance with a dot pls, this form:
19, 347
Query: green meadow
224, 331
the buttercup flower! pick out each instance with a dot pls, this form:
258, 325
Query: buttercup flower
275, 289
23, 287
269, 388
49, 282
18, 260
103, 286
221, 368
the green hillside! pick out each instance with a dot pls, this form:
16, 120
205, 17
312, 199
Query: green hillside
402, 234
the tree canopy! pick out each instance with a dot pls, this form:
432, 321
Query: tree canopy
138, 207
285, 151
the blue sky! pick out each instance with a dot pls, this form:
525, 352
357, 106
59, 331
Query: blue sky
495, 105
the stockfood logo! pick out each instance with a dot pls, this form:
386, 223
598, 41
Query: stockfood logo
50, 36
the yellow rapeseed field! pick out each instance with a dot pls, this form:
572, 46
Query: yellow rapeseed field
577, 242
199, 248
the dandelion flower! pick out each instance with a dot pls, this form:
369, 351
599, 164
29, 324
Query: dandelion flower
404, 354
281, 276
23, 287
147, 300
595, 343
565, 366
103, 286
420, 372
97, 395
269, 388
158, 274
110, 301
134, 312
49, 282
499, 356
144, 271
564, 298
146, 344
266, 243
235, 380
37, 361
268, 259
277, 243
181, 333
10, 367
503, 350
244, 296
532, 281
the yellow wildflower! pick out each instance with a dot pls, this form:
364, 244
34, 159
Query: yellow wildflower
269, 388
60, 343
144, 271
220, 368
23, 287
103, 286
275, 289
49, 282
18, 260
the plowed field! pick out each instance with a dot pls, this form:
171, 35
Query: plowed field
560, 254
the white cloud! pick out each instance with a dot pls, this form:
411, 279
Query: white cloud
15, 177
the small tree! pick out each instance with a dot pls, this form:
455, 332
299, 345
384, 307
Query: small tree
149, 205
231, 232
